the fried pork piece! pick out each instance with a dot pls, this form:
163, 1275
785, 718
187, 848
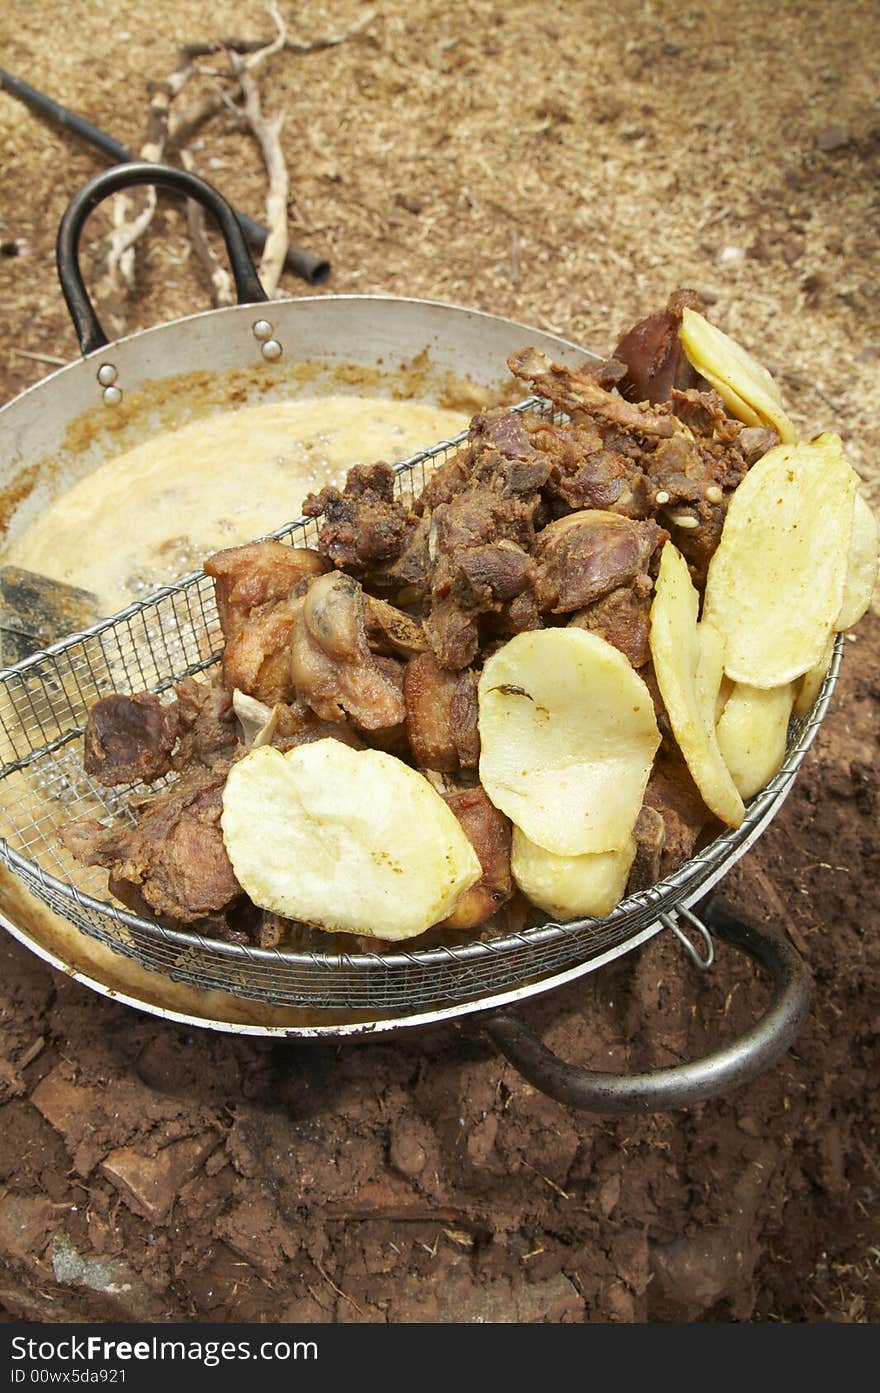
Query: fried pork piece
623, 618
256, 574
175, 857
390, 631
480, 545
652, 352
257, 587
441, 715
331, 667
585, 473
673, 794
585, 556
489, 833
129, 739
364, 525
576, 390
207, 727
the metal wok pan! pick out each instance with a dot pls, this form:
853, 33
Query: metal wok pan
184, 977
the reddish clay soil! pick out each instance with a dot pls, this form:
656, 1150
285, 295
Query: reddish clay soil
479, 154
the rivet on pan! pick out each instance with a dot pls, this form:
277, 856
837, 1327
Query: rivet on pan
262, 330
271, 350
107, 374
111, 395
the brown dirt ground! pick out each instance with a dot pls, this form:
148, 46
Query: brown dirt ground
566, 165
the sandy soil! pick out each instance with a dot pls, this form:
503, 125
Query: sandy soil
567, 166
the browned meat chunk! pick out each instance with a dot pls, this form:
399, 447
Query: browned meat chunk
650, 838
576, 390
364, 525
391, 631
207, 725
673, 794
175, 856
330, 664
441, 715
586, 555
655, 360
622, 617
584, 474
249, 577
256, 659
453, 634
489, 833
503, 430
464, 713
257, 588
428, 692
129, 739
754, 442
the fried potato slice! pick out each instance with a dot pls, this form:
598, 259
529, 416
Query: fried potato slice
571, 887
752, 733
688, 663
775, 585
744, 385
353, 841
568, 736
861, 566
810, 685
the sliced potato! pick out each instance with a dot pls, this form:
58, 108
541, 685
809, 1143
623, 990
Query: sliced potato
861, 566
571, 887
568, 736
752, 733
353, 841
775, 585
810, 685
688, 663
743, 384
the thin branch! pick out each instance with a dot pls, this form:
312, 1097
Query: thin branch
222, 292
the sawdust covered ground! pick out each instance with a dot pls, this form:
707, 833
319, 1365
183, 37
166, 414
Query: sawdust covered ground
567, 166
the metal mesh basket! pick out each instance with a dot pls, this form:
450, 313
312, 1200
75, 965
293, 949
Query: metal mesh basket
44, 704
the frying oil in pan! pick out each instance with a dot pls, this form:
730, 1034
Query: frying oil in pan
155, 512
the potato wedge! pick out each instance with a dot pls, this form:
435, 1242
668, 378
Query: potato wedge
744, 385
571, 887
810, 685
353, 841
568, 736
688, 663
752, 734
861, 566
775, 585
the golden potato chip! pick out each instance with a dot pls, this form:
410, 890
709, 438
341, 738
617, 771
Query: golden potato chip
775, 585
810, 685
752, 733
568, 737
353, 841
861, 566
571, 887
744, 385
688, 663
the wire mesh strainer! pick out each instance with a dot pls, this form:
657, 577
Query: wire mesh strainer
44, 704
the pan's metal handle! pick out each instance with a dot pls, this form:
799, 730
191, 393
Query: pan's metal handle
660, 1089
123, 176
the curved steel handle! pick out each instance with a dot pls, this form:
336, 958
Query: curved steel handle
123, 176
660, 1089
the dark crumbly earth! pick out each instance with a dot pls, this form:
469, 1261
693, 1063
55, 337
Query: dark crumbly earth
494, 156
